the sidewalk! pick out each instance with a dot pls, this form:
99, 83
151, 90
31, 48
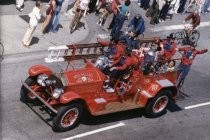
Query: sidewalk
13, 29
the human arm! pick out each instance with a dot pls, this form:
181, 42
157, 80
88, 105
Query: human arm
188, 17
196, 21
140, 28
131, 23
37, 13
202, 51
104, 43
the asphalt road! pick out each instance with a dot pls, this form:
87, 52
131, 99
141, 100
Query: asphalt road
19, 122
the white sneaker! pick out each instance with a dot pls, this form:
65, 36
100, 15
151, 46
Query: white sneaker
109, 89
139, 4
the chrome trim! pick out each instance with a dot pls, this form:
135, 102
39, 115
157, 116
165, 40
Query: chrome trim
165, 83
146, 94
43, 101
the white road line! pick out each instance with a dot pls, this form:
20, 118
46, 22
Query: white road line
94, 131
176, 27
198, 105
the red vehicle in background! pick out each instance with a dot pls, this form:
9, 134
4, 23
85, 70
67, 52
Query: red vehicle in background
68, 93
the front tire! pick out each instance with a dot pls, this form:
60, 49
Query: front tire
67, 117
157, 106
25, 95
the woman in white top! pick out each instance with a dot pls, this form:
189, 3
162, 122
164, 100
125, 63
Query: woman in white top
35, 16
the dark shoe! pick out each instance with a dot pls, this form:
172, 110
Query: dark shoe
19, 8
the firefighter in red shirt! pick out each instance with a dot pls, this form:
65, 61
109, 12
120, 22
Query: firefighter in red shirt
116, 49
168, 48
189, 54
124, 64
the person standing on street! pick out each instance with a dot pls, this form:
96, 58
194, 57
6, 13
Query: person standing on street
205, 6
120, 19
181, 6
164, 11
145, 4
19, 5
49, 13
111, 17
55, 19
189, 54
35, 16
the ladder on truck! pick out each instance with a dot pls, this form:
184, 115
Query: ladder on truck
74, 52
86, 51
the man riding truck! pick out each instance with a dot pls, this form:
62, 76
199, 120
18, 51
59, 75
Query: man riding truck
116, 48
130, 40
168, 47
189, 54
123, 66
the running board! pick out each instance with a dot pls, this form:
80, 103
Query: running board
119, 106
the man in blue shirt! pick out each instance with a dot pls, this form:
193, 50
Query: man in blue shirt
137, 24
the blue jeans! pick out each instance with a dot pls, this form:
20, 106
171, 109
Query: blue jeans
184, 70
55, 22
119, 21
205, 6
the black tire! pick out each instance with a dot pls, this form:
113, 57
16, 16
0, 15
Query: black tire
150, 108
62, 112
179, 38
24, 97
194, 36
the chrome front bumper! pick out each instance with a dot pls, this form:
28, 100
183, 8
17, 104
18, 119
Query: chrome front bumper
43, 101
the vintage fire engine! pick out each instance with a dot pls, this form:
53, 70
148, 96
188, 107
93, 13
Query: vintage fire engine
68, 93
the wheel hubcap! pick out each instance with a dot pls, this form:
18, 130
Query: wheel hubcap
160, 104
69, 117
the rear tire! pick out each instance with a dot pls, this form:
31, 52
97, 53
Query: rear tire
195, 36
179, 38
67, 117
157, 106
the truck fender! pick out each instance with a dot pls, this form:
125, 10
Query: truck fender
39, 69
68, 97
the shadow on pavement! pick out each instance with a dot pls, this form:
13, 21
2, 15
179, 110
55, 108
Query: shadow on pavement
34, 40
26, 18
114, 117
173, 107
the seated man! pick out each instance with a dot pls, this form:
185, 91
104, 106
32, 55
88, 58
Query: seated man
121, 69
137, 25
116, 48
168, 48
130, 40
115, 51
124, 64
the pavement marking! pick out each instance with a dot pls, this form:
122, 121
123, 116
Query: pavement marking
175, 27
197, 105
95, 131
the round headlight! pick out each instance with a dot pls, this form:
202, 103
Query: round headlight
57, 92
41, 79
